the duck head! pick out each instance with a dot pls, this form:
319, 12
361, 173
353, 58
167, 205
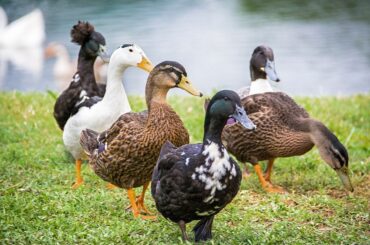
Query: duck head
92, 42
262, 64
171, 74
225, 107
131, 55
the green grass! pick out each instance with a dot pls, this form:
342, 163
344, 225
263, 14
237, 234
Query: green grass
37, 205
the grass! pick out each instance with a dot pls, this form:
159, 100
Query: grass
37, 205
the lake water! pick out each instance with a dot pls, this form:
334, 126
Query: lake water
320, 48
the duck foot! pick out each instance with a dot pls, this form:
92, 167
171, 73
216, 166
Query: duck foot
270, 188
141, 206
77, 184
110, 186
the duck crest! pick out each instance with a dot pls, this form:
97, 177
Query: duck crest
216, 170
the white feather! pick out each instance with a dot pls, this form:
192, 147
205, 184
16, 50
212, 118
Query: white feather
260, 86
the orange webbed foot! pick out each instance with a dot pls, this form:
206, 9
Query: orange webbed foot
77, 184
274, 189
110, 186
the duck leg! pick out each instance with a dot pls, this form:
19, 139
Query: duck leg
246, 173
79, 180
134, 206
268, 187
140, 200
182, 226
268, 171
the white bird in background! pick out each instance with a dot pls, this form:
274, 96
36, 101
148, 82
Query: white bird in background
21, 42
26, 32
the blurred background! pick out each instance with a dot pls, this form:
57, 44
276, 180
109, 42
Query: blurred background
321, 47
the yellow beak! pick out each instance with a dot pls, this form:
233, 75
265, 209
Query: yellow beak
185, 84
145, 64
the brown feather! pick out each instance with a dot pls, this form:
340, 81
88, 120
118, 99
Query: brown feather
279, 130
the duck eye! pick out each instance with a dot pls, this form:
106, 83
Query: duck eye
226, 98
131, 50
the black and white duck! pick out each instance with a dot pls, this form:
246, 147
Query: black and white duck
92, 45
196, 181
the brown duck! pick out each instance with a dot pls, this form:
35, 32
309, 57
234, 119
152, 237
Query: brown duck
284, 129
126, 154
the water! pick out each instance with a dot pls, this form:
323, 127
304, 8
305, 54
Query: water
320, 48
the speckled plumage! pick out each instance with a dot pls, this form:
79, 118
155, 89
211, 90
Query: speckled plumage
284, 129
134, 143
190, 193
280, 130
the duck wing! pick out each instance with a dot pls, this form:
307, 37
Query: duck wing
70, 101
103, 147
273, 103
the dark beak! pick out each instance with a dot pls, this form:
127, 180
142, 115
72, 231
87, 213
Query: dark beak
343, 175
241, 116
270, 71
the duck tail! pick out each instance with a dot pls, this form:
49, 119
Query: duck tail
89, 141
330, 148
203, 229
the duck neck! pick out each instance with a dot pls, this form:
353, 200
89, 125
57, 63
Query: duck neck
260, 86
213, 129
115, 90
85, 67
154, 94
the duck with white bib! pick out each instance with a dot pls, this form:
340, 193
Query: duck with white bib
196, 181
262, 69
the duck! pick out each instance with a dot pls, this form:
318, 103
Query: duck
26, 32
92, 45
197, 181
80, 106
262, 71
284, 129
126, 153
65, 67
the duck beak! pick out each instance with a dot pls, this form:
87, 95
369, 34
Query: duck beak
145, 64
343, 175
185, 84
270, 71
102, 53
241, 116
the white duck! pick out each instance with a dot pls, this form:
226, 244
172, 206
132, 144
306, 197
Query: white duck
20, 42
262, 67
100, 113
26, 32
